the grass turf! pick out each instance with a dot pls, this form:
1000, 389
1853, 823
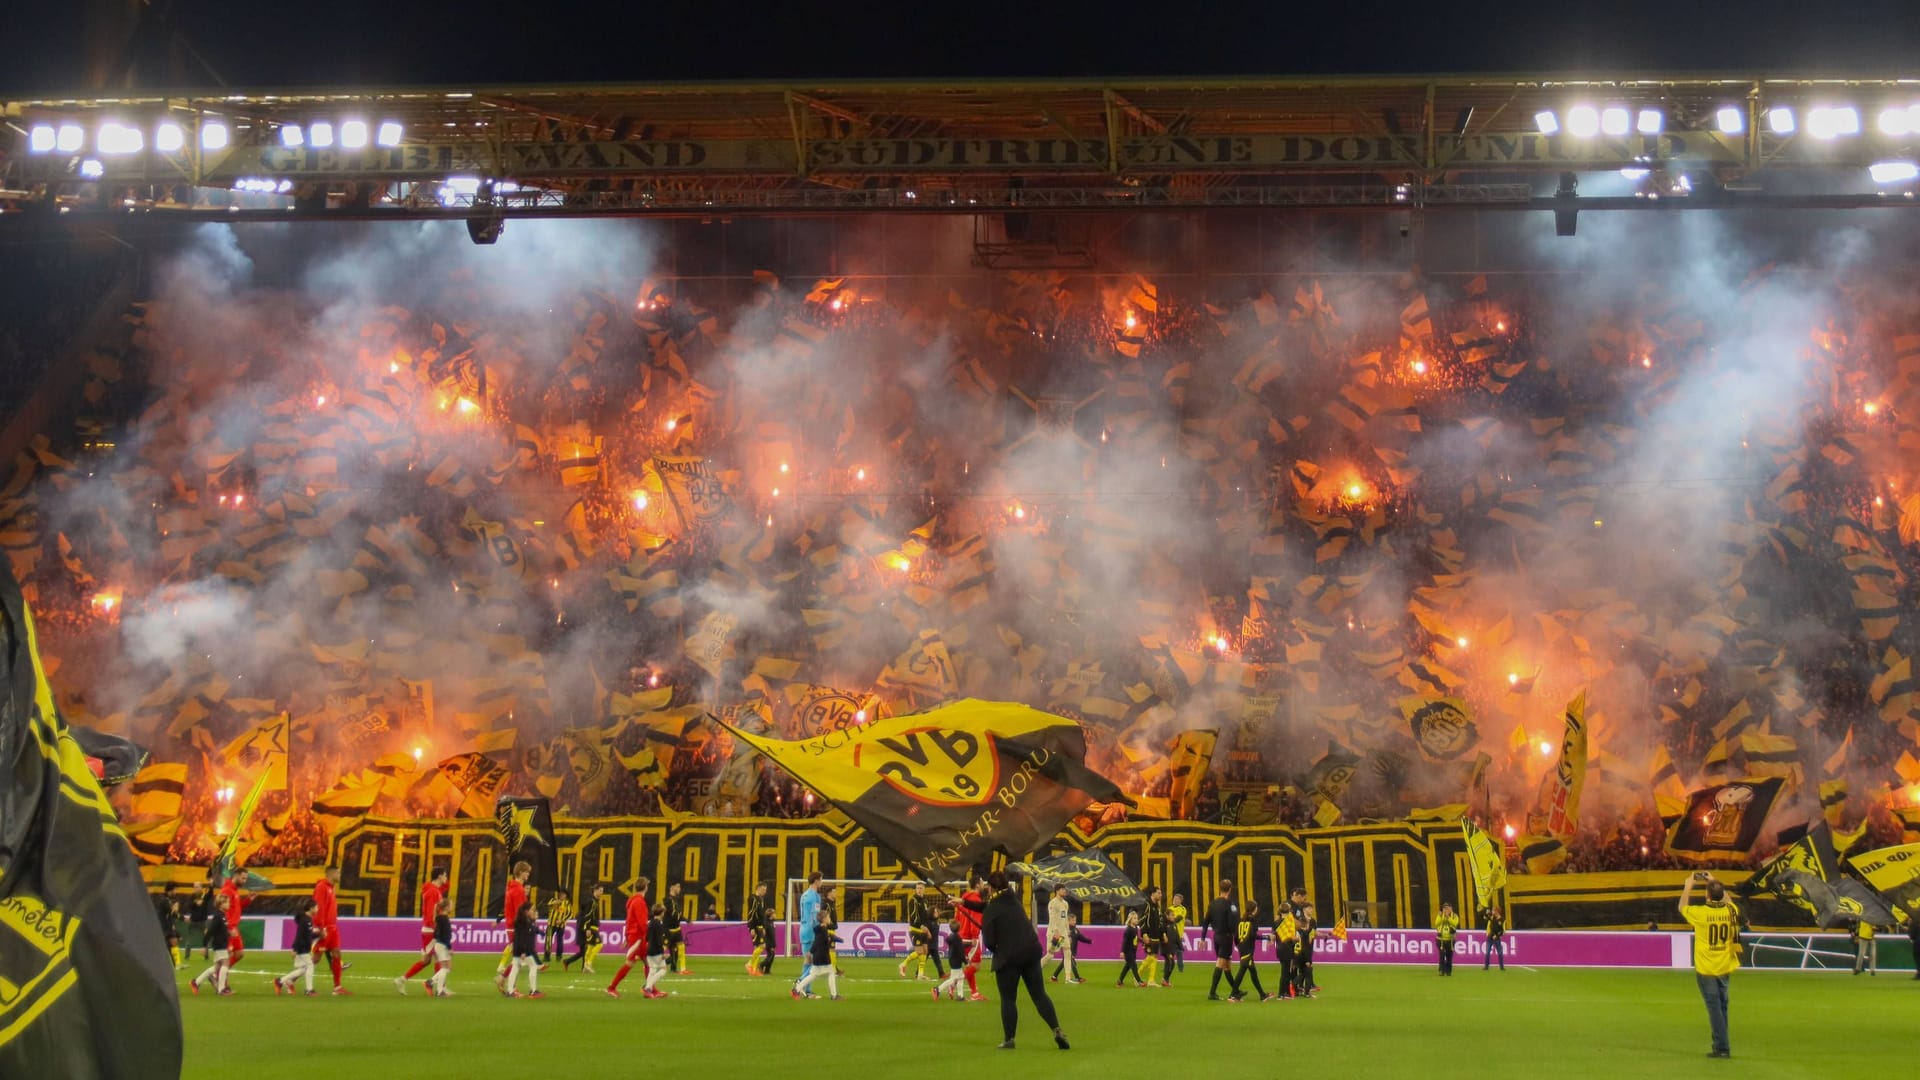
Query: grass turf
1375, 1021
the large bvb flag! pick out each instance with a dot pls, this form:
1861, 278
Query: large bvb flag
86, 990
527, 827
945, 788
1088, 875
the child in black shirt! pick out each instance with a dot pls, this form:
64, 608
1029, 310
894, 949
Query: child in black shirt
526, 954
956, 963
821, 957
302, 950
1130, 951
216, 943
1074, 940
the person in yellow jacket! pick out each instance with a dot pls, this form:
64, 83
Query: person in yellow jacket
1716, 937
1446, 926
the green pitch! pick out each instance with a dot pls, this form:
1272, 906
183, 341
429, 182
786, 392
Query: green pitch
1371, 1021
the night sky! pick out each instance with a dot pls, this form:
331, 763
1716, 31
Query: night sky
409, 42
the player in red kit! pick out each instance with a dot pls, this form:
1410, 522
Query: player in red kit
326, 923
967, 914
636, 939
516, 896
236, 901
430, 897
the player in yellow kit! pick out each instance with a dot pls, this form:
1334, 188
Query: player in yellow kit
1716, 936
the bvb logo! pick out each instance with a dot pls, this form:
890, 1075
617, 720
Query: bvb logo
1443, 731
935, 765
587, 762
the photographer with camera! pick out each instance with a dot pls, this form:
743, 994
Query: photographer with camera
1716, 932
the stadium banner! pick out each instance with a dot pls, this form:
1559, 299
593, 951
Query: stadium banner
1061, 154
1400, 871
1537, 948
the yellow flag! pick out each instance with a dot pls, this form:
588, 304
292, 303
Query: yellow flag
1488, 860
1556, 808
711, 643
1191, 757
944, 788
157, 790
264, 747
697, 491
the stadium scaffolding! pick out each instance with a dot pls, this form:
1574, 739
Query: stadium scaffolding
1363, 143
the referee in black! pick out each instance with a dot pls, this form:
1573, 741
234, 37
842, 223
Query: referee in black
1223, 925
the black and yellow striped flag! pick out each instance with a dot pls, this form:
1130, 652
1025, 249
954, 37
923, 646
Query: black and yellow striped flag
80, 952
945, 789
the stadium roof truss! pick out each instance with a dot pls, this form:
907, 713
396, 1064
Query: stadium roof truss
1367, 143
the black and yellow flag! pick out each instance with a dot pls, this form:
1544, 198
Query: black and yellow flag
86, 989
1089, 876
1488, 860
1441, 726
1894, 872
1808, 850
1725, 819
526, 826
945, 788
1556, 808
478, 778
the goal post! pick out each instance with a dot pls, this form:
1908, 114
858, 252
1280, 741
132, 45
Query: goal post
858, 900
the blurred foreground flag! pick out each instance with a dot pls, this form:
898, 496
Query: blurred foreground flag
86, 987
945, 789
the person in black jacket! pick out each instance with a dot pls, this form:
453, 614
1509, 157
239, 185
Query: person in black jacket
1130, 951
1010, 934
1223, 926
1074, 940
199, 908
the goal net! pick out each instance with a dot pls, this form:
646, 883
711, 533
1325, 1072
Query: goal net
881, 902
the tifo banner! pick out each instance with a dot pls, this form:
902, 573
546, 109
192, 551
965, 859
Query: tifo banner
1400, 872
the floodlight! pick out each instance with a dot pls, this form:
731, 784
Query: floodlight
1547, 122
1895, 122
41, 139
117, 138
1730, 120
91, 169
213, 135
168, 138
68, 139
320, 134
389, 133
353, 134
1893, 172
1614, 120
1651, 121
1583, 121
1780, 120
291, 135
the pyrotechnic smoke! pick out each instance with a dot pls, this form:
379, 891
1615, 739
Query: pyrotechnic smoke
1130, 506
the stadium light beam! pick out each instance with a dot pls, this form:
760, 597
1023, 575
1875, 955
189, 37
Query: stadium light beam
1730, 120
353, 134
1780, 120
320, 134
42, 139
291, 135
213, 135
1650, 121
1583, 121
389, 134
168, 138
1614, 120
1547, 121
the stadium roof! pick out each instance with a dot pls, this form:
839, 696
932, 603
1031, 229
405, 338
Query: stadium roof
1381, 141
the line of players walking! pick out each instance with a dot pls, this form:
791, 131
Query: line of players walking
1153, 939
